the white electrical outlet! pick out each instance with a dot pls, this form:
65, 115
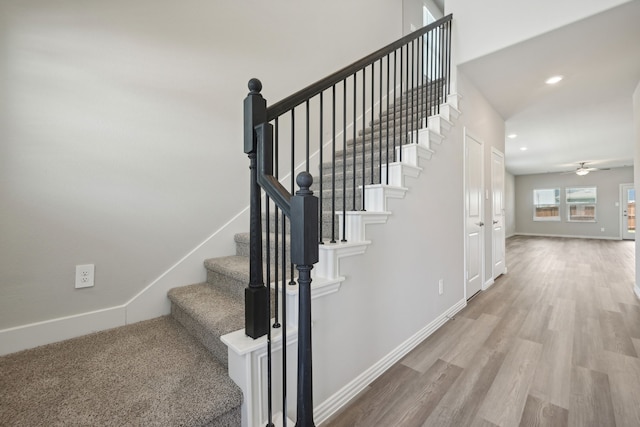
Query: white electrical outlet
84, 275
440, 286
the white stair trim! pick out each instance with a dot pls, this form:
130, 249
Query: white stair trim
376, 196
439, 124
398, 171
330, 254
356, 222
411, 155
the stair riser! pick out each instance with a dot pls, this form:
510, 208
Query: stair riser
228, 284
243, 249
326, 219
430, 99
401, 127
327, 168
340, 178
407, 103
376, 142
210, 340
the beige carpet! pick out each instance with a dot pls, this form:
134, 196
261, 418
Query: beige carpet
150, 373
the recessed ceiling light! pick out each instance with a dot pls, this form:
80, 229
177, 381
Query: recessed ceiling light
512, 135
523, 148
553, 80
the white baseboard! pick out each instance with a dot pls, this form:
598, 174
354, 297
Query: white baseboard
636, 289
488, 284
330, 406
147, 304
568, 236
50, 331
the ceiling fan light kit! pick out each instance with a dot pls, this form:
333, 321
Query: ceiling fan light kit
582, 172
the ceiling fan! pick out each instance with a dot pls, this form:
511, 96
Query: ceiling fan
583, 170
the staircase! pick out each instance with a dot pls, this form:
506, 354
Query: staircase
370, 169
206, 311
216, 308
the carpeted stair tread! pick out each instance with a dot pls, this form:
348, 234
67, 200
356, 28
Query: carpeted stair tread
149, 373
234, 266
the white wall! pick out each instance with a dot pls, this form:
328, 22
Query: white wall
485, 124
608, 215
483, 27
412, 13
122, 134
391, 291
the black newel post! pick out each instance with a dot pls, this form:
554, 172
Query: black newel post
304, 253
256, 313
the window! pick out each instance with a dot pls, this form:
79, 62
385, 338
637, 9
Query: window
581, 204
546, 204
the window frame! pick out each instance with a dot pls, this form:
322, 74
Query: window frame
584, 204
536, 206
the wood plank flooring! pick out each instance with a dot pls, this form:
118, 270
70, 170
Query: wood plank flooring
554, 342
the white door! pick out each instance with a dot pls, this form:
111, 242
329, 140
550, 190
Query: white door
497, 211
628, 209
474, 208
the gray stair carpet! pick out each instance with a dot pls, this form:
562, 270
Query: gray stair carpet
149, 373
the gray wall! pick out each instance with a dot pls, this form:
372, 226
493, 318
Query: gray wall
608, 215
122, 136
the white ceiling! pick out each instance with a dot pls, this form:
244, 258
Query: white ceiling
588, 116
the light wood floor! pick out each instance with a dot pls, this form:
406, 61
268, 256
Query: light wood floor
554, 342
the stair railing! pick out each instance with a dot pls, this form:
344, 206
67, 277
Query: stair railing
409, 78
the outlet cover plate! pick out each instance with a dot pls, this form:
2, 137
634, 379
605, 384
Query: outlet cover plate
85, 275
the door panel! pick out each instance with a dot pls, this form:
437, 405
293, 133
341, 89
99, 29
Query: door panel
498, 232
474, 176
628, 208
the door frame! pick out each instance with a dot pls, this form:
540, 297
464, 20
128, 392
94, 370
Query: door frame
469, 134
622, 208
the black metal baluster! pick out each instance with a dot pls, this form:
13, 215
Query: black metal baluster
432, 79
388, 103
413, 88
320, 236
422, 88
448, 57
344, 160
284, 319
438, 73
333, 162
276, 323
269, 358
293, 180
364, 127
380, 126
395, 97
373, 84
406, 107
443, 66
400, 142
355, 145
416, 67
306, 164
